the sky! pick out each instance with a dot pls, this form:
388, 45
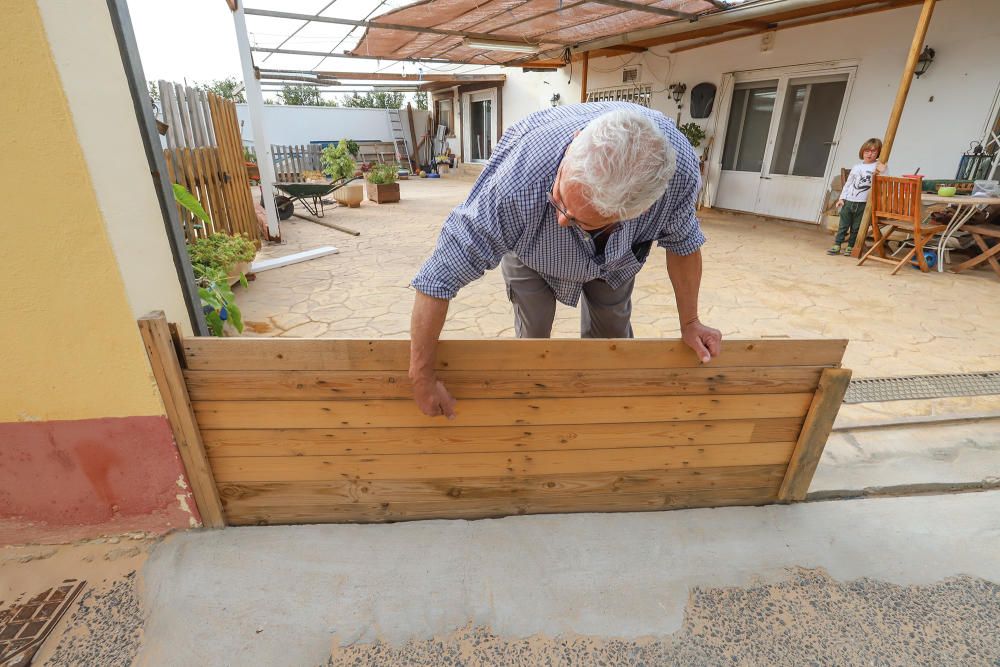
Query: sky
195, 40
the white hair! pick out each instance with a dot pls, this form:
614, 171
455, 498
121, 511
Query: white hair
622, 161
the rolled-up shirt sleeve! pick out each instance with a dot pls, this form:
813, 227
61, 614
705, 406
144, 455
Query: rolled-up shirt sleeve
473, 240
682, 233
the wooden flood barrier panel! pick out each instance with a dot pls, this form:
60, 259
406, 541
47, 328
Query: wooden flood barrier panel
310, 431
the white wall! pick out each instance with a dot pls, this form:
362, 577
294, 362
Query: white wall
947, 108
293, 125
93, 77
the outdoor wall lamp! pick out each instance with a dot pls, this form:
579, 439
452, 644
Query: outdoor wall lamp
924, 62
677, 92
554, 100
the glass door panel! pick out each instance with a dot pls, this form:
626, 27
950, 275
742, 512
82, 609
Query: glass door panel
749, 125
807, 128
482, 124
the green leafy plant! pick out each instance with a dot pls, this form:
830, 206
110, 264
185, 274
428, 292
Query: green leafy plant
217, 299
191, 203
337, 161
693, 132
383, 174
213, 259
352, 147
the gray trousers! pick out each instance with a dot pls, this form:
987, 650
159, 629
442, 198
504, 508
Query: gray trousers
605, 312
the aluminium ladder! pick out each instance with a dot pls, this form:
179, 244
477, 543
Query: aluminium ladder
399, 138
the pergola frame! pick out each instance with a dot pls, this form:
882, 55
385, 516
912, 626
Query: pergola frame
728, 22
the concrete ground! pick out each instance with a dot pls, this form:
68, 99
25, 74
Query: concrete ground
887, 581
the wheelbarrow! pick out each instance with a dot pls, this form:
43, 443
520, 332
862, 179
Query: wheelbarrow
310, 194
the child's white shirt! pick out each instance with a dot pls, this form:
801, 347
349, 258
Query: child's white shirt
859, 183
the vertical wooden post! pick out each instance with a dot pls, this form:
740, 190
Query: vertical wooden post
916, 46
815, 431
413, 137
170, 381
583, 80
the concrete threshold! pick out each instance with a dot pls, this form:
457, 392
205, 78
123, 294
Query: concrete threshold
291, 594
911, 456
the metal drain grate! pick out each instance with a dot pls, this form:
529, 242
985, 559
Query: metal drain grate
875, 390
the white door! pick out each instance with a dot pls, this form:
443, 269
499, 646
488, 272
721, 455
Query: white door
481, 133
779, 143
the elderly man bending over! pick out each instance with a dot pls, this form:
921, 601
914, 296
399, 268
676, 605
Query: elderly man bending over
569, 206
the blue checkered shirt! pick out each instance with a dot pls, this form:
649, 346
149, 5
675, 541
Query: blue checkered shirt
508, 211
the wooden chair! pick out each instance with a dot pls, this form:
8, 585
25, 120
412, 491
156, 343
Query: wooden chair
896, 207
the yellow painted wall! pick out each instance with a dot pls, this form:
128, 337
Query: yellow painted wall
69, 347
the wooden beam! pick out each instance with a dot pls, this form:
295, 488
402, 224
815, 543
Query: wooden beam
232, 5
636, 7
378, 25
916, 46
768, 27
583, 81
625, 48
815, 431
389, 76
543, 63
170, 381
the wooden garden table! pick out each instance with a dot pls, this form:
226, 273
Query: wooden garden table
965, 207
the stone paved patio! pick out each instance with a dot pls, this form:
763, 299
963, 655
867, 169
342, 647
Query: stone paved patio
763, 278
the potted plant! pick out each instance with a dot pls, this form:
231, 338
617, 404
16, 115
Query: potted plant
382, 185
219, 261
693, 132
340, 166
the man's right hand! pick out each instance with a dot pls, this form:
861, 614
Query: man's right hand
433, 398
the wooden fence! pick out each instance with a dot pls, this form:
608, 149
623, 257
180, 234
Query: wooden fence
205, 154
291, 161
309, 431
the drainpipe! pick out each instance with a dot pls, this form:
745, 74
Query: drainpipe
255, 105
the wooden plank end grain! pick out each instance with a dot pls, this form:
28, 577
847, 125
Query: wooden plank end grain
170, 380
815, 431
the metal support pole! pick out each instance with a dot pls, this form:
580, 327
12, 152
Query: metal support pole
255, 104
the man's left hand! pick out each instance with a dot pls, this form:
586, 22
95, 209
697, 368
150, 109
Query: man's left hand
705, 341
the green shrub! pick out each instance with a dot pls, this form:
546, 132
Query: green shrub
337, 161
383, 174
693, 132
213, 259
352, 147
221, 251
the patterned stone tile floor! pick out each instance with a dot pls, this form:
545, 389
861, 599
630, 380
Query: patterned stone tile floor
762, 278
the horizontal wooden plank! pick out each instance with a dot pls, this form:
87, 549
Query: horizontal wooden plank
499, 464
340, 385
496, 412
257, 496
480, 509
207, 353
338, 442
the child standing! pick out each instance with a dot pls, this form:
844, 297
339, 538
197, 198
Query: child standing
854, 196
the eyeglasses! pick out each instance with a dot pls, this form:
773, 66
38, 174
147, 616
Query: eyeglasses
582, 226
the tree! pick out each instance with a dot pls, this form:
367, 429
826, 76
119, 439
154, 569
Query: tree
308, 96
154, 93
421, 100
375, 100
229, 88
